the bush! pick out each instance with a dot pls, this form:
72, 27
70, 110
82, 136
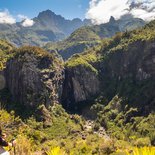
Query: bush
24, 145
140, 142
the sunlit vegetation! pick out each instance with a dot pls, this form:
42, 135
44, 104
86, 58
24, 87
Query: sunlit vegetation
142, 151
5, 53
56, 151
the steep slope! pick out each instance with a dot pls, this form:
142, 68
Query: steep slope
125, 55
47, 27
122, 73
5, 53
89, 36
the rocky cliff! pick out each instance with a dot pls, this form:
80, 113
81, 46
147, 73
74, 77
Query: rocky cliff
81, 85
34, 77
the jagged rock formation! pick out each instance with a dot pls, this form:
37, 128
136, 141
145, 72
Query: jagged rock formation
34, 77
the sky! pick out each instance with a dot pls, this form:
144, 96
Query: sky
67, 8
99, 11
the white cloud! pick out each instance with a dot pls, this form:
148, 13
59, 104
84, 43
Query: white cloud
6, 18
100, 11
26, 21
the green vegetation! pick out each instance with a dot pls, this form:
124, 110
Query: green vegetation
121, 41
64, 131
5, 53
78, 42
87, 59
121, 122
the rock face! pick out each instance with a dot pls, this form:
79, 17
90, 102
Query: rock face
34, 78
137, 62
81, 84
128, 73
2, 80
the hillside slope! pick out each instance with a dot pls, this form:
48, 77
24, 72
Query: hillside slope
118, 80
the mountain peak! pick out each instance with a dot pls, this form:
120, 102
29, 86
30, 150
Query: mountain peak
47, 13
112, 20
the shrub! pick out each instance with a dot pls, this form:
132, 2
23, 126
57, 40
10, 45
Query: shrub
142, 142
24, 145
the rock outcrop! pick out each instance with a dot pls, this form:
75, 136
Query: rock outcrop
34, 77
81, 84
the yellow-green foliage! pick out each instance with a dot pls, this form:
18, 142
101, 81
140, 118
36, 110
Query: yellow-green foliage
121, 41
56, 151
8, 122
5, 53
87, 59
24, 145
5, 46
39, 52
83, 34
142, 151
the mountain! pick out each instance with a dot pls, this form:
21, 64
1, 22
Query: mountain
107, 94
90, 36
79, 41
47, 27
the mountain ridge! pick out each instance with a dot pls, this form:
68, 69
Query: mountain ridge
90, 36
47, 27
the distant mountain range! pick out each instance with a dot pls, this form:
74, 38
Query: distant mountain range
89, 36
48, 27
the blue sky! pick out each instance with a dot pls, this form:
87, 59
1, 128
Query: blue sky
68, 8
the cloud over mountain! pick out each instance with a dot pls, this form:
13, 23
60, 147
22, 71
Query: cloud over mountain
100, 11
26, 22
6, 18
